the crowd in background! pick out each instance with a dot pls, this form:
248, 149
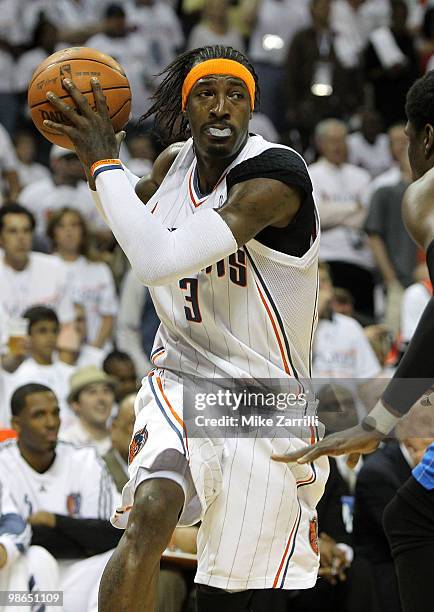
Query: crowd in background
334, 77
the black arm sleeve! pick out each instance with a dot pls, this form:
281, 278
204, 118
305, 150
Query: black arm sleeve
59, 545
417, 363
288, 167
94, 536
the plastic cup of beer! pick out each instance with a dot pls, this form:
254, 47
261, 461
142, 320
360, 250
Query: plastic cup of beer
17, 332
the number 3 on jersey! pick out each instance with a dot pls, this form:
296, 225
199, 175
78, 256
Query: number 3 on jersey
237, 274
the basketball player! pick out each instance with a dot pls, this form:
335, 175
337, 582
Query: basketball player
228, 243
409, 518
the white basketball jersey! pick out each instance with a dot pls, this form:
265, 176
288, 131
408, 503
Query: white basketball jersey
76, 484
250, 315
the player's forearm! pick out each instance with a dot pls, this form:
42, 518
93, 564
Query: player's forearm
159, 256
92, 535
58, 544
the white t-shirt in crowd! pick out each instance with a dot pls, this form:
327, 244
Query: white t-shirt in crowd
55, 376
351, 32
44, 281
31, 173
375, 158
77, 434
341, 184
414, 301
43, 197
341, 350
277, 22
92, 286
201, 35
76, 484
90, 356
392, 176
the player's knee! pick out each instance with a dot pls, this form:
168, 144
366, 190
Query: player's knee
157, 505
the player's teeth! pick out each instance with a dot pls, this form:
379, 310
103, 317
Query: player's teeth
219, 132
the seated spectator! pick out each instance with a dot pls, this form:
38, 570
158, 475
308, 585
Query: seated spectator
414, 300
142, 154
28, 170
338, 189
74, 350
41, 366
214, 28
398, 147
91, 398
44, 43
122, 428
91, 282
121, 367
133, 51
25, 568
64, 492
340, 348
394, 250
273, 24
381, 340
381, 476
317, 84
369, 148
28, 278
65, 187
9, 180
137, 323
391, 64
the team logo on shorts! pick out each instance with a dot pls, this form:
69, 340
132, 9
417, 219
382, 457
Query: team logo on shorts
137, 443
73, 504
313, 535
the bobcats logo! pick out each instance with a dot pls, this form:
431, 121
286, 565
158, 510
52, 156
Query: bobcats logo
65, 71
73, 504
313, 535
137, 443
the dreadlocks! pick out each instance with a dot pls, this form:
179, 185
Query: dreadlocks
169, 120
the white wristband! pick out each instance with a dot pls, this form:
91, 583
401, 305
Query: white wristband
380, 419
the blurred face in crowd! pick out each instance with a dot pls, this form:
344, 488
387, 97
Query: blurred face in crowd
140, 147
38, 422
16, 239
371, 126
333, 144
43, 340
123, 426
398, 141
68, 233
25, 148
216, 10
94, 404
125, 373
116, 26
326, 295
67, 170
320, 11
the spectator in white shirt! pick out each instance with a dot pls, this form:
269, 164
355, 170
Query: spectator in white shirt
338, 190
42, 366
9, 181
74, 350
214, 28
29, 171
66, 187
341, 349
369, 148
414, 301
91, 282
91, 398
351, 33
28, 278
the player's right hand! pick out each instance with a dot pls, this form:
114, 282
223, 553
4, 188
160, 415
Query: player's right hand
353, 442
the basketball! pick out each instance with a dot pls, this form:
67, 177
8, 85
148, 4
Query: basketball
79, 64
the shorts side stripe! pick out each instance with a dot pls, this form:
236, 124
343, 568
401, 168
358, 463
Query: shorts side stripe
166, 416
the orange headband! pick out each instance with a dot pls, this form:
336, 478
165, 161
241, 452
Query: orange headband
218, 66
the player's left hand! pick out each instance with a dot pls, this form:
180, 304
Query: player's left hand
90, 131
353, 442
46, 519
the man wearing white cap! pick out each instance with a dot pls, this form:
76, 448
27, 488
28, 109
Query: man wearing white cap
66, 187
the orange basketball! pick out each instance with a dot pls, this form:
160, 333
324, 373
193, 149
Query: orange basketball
79, 64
